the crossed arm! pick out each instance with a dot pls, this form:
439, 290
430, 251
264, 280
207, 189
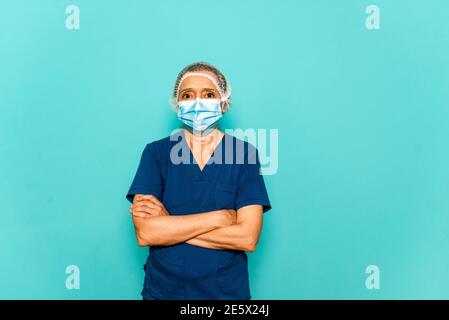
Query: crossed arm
221, 229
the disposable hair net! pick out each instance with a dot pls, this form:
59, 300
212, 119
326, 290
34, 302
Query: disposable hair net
225, 95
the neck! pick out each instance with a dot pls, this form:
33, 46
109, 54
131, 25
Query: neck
202, 138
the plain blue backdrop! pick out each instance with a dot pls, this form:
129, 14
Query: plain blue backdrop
362, 117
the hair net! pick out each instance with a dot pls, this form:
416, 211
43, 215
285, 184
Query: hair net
221, 84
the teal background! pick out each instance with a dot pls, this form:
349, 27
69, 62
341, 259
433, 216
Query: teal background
363, 120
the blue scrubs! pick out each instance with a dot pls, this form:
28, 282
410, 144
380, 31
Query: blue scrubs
230, 180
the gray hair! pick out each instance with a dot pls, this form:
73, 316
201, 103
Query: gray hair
222, 84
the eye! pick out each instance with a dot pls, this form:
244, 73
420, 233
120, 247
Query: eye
186, 96
210, 95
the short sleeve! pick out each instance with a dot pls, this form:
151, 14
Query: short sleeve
148, 176
251, 186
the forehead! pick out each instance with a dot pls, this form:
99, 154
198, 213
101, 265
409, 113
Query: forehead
198, 82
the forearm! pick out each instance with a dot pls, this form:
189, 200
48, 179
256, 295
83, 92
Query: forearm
234, 237
243, 235
169, 230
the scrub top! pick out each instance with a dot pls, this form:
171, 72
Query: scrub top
231, 179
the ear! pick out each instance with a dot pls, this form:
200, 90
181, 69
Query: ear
224, 106
173, 103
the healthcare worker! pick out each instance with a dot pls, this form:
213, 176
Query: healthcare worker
198, 198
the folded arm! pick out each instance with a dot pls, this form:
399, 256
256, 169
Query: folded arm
244, 235
155, 227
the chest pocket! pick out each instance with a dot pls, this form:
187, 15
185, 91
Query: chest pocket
225, 195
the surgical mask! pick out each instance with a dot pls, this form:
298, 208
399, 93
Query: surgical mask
199, 114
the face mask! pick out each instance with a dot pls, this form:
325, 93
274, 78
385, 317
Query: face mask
199, 114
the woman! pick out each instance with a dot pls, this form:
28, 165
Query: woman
198, 198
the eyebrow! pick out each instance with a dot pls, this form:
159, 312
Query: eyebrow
186, 89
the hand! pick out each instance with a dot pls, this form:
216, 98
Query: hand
146, 206
228, 217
